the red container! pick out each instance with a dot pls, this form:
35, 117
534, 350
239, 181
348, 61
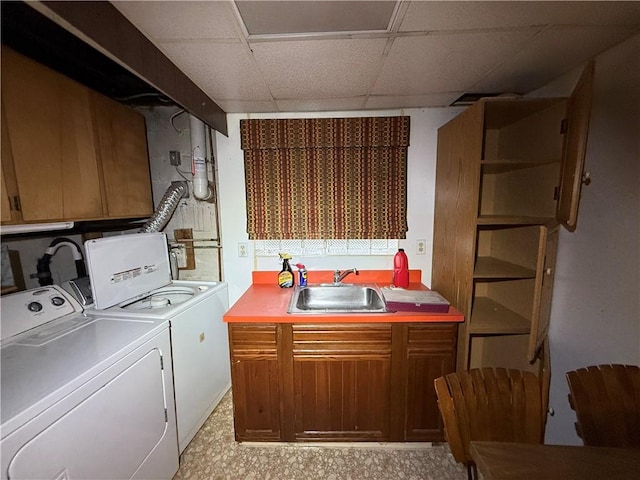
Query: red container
400, 269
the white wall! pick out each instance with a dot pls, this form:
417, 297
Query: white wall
164, 135
421, 186
595, 317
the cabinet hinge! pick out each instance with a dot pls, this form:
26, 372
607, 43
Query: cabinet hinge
161, 363
16, 203
166, 416
564, 126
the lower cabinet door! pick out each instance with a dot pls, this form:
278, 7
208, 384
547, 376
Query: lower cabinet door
342, 376
341, 399
430, 353
255, 380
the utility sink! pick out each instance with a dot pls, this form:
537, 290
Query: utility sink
337, 298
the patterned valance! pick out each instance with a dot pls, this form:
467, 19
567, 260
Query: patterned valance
327, 178
325, 133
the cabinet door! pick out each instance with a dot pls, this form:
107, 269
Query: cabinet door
9, 193
430, 354
50, 128
541, 315
342, 381
255, 382
6, 204
122, 146
575, 149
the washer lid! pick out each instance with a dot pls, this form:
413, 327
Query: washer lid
168, 296
127, 267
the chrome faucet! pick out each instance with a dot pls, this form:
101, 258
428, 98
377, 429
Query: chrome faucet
338, 277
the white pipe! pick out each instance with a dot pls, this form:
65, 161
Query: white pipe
201, 189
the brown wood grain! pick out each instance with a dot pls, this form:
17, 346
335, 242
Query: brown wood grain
489, 404
517, 461
606, 399
340, 382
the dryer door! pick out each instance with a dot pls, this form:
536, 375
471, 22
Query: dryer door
108, 435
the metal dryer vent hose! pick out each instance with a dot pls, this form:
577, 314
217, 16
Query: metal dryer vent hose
166, 207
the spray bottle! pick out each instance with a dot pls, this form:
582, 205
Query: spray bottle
302, 275
285, 277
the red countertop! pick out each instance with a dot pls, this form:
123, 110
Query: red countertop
265, 302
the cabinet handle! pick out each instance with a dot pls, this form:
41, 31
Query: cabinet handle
548, 271
586, 178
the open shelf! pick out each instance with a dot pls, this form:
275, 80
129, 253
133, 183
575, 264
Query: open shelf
513, 220
494, 268
490, 317
502, 166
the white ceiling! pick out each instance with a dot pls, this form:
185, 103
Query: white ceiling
431, 52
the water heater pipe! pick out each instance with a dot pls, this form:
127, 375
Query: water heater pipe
201, 189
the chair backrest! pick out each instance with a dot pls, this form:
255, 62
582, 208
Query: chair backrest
491, 404
606, 399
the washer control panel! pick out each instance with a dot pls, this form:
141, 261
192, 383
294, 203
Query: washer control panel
25, 310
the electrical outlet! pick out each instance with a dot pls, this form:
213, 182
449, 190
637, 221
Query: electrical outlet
421, 247
243, 249
174, 157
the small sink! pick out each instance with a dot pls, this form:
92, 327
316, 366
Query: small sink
337, 298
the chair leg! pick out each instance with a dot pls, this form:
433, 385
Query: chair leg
472, 471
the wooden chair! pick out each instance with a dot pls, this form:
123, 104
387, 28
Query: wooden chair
492, 404
606, 399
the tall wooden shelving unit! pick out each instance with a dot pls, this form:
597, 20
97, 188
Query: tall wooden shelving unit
509, 173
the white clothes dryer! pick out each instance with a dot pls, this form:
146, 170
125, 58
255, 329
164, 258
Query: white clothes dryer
83, 396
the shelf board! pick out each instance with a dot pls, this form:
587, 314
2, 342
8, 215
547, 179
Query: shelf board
502, 166
494, 268
514, 220
490, 317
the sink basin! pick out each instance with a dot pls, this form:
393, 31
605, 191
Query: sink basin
337, 298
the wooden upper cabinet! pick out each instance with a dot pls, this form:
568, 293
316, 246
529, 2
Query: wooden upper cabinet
509, 172
579, 113
9, 192
51, 137
68, 153
122, 147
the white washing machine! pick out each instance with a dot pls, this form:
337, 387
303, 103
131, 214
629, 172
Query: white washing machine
130, 278
83, 397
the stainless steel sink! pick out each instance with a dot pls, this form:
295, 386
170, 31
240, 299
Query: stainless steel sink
337, 298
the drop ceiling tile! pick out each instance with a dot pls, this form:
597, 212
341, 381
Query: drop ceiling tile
319, 68
320, 105
285, 17
412, 101
163, 20
543, 59
439, 16
417, 65
247, 106
222, 70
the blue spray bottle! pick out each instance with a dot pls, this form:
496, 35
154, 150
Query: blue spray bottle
302, 275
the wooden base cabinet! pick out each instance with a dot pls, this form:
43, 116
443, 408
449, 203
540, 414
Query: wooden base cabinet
339, 382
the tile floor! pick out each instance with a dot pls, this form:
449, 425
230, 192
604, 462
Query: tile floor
213, 454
